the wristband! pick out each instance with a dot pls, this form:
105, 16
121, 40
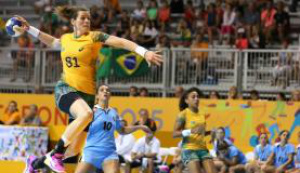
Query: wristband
186, 133
33, 31
140, 50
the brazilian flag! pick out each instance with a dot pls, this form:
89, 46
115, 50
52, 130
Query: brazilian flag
104, 63
129, 64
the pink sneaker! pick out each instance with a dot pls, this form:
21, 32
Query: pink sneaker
55, 162
29, 168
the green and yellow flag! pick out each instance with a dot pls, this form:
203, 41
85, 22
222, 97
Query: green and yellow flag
129, 64
104, 64
121, 63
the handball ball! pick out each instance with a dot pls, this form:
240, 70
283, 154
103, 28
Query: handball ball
13, 27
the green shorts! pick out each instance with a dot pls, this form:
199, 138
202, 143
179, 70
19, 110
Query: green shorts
65, 96
192, 155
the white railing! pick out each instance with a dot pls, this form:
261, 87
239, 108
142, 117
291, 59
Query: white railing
209, 69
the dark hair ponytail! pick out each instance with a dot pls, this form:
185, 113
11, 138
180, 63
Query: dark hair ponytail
69, 12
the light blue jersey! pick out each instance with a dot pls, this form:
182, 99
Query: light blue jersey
263, 153
297, 157
227, 140
100, 144
233, 152
282, 154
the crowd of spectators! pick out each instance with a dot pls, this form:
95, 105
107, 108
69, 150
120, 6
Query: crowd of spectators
232, 94
174, 23
12, 115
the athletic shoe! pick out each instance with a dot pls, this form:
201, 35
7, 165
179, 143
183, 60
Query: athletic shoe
29, 168
55, 162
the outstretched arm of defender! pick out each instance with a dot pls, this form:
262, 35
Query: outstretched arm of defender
150, 56
131, 129
42, 36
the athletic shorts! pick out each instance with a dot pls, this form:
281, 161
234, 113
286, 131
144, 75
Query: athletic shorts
97, 158
193, 155
66, 95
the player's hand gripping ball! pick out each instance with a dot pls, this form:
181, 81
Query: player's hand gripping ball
14, 27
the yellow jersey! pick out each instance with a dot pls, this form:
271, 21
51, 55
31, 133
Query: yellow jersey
79, 56
191, 120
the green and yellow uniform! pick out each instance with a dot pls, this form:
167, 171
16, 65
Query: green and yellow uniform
79, 56
193, 146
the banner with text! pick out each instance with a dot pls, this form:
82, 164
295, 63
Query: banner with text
243, 120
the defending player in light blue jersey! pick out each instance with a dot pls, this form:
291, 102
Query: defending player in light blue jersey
100, 149
282, 158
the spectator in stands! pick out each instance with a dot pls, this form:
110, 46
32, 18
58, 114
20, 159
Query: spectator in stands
228, 21
282, 157
184, 33
136, 30
282, 21
113, 7
145, 153
293, 6
40, 5
179, 91
241, 41
139, 13
163, 41
256, 40
189, 13
31, 117
121, 32
233, 93
199, 57
95, 18
262, 152
252, 19
24, 58
280, 96
254, 95
125, 20
149, 35
268, 21
283, 70
144, 92
231, 159
124, 145
214, 95
152, 10
133, 91
145, 120
164, 13
49, 21
11, 114
177, 6
220, 12
199, 22
295, 96
211, 22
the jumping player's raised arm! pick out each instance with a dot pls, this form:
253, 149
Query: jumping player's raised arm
42, 36
150, 56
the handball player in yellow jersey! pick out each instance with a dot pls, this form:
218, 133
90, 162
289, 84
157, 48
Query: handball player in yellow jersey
75, 92
190, 125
